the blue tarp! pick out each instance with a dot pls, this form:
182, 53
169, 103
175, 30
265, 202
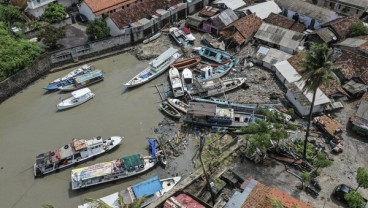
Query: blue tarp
152, 145
147, 187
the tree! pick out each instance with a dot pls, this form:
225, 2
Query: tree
318, 70
201, 145
98, 29
358, 28
54, 12
279, 135
9, 14
98, 202
305, 178
260, 141
362, 178
354, 199
50, 35
321, 161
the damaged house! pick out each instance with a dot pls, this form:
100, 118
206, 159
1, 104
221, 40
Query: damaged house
284, 22
269, 57
262, 10
360, 119
220, 21
346, 7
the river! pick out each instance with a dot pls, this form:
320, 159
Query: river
30, 125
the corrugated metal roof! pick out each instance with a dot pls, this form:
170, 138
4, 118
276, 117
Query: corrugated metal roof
163, 57
231, 4
352, 42
238, 199
287, 71
305, 98
224, 19
280, 36
326, 34
273, 56
263, 10
307, 9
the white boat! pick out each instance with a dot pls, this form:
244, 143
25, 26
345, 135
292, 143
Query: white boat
156, 67
152, 189
78, 97
188, 33
176, 84
179, 37
178, 104
74, 73
76, 152
187, 79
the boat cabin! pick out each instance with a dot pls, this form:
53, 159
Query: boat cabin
88, 78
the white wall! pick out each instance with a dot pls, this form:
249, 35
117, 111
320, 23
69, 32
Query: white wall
281, 78
307, 20
287, 50
84, 9
303, 110
114, 30
38, 12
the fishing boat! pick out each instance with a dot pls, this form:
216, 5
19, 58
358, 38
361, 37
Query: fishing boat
78, 97
154, 37
156, 67
187, 79
118, 169
178, 104
179, 37
188, 34
186, 63
176, 84
209, 40
151, 189
79, 150
84, 81
214, 87
169, 110
68, 79
209, 73
212, 54
227, 103
207, 114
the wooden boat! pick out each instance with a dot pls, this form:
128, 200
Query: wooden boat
121, 168
68, 79
154, 37
78, 97
214, 87
84, 81
169, 110
178, 104
188, 33
226, 103
156, 67
179, 37
209, 40
152, 189
175, 81
78, 151
187, 79
186, 63
212, 54
207, 114
221, 70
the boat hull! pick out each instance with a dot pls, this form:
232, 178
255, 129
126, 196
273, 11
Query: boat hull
71, 87
187, 63
66, 105
178, 104
170, 110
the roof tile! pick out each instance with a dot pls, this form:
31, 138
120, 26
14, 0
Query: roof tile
284, 22
341, 25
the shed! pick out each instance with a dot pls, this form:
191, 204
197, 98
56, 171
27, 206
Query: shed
225, 18
286, 73
230, 4
268, 57
262, 10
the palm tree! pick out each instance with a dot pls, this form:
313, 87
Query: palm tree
318, 70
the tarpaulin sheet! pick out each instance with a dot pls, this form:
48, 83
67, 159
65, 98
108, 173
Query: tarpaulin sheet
147, 187
152, 144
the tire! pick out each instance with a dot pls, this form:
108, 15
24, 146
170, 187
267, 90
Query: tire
66, 146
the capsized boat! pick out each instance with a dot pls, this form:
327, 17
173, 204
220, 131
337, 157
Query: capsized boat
84, 81
186, 63
227, 103
209, 88
207, 114
152, 189
187, 79
175, 81
178, 104
212, 54
179, 37
78, 97
78, 151
118, 169
68, 79
221, 70
169, 110
156, 67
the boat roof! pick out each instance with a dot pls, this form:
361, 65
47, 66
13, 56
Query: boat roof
132, 161
94, 171
88, 76
81, 92
164, 56
202, 109
147, 187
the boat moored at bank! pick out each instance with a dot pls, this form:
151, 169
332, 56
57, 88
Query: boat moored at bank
77, 151
84, 81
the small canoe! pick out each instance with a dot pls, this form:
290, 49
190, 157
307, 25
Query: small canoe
169, 110
152, 38
178, 104
186, 63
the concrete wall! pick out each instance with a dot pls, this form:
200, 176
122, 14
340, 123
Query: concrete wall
281, 78
306, 20
114, 30
84, 9
38, 12
287, 50
302, 110
340, 8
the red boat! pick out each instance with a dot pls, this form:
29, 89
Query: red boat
186, 63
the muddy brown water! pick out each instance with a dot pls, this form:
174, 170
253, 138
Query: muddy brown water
30, 124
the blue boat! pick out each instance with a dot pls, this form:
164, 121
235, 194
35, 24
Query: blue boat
215, 55
226, 103
83, 80
221, 70
68, 79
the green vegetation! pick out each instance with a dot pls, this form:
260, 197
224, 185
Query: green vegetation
260, 141
299, 148
354, 199
321, 161
291, 112
279, 135
98, 29
318, 70
362, 178
291, 126
357, 29
54, 12
275, 203
306, 178
50, 35
10, 15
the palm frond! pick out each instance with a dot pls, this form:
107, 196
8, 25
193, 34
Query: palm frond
98, 202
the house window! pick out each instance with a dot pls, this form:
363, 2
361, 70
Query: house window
339, 6
357, 11
346, 9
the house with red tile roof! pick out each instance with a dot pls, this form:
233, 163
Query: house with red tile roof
96, 8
